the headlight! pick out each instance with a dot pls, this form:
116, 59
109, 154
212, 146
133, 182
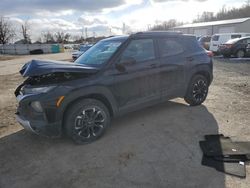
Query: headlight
37, 90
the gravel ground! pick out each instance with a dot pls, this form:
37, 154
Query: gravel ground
154, 147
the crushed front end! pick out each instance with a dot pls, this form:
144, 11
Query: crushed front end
41, 94
38, 105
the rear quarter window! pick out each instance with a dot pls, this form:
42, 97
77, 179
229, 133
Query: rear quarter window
169, 47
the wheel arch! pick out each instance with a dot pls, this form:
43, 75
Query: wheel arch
204, 70
99, 93
203, 73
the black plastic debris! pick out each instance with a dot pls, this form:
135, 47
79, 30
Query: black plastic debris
224, 155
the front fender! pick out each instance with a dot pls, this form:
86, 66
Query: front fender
84, 92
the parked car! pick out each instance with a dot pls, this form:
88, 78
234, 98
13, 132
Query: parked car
219, 39
82, 49
235, 47
68, 46
116, 76
205, 42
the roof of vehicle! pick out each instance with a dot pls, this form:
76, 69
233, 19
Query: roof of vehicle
220, 34
119, 38
236, 40
221, 22
157, 33
147, 34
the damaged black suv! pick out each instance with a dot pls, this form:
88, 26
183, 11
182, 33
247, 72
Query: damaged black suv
117, 75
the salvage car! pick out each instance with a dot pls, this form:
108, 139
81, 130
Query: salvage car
235, 47
116, 76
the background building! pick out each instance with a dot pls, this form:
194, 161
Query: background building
241, 25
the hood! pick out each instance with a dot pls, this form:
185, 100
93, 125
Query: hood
42, 67
78, 53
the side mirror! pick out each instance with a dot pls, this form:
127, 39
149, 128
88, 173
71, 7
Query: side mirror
121, 66
128, 61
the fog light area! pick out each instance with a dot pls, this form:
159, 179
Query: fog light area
36, 105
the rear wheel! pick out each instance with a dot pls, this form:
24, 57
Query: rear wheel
87, 120
197, 90
240, 53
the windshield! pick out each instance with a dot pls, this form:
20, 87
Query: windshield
99, 54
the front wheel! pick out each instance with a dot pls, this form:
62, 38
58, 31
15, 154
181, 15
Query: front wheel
86, 120
197, 90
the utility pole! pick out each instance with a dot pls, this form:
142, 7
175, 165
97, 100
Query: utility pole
86, 33
123, 28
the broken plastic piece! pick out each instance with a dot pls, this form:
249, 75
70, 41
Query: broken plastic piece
224, 155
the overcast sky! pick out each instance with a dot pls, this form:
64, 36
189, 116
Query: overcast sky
104, 17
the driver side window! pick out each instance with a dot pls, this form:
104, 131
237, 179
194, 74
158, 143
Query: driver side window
139, 50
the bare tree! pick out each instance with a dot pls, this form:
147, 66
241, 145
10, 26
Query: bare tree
166, 25
6, 30
62, 37
48, 37
25, 32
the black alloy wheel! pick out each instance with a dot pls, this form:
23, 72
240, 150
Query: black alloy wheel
197, 91
87, 120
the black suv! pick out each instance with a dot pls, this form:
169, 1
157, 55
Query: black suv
115, 76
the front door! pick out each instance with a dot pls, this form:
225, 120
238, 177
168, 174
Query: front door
137, 79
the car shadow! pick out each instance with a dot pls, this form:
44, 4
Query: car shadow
154, 147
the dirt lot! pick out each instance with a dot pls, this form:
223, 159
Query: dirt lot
154, 147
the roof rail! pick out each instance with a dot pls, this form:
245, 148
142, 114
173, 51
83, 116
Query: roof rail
158, 33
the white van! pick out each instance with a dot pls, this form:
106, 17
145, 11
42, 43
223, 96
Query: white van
219, 39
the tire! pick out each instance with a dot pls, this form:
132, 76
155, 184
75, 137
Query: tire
240, 54
197, 90
86, 121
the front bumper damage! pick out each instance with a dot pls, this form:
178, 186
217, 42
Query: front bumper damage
43, 123
25, 123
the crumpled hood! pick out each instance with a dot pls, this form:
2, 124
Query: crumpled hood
42, 67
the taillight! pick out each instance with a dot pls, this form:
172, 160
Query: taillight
210, 53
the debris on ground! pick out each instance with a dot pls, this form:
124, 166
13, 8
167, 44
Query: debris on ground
224, 155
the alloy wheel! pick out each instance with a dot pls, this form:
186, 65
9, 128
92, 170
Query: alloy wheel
89, 122
200, 90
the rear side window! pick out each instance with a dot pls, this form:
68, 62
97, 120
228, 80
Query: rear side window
235, 36
215, 38
169, 47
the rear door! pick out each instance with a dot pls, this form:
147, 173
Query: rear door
172, 66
